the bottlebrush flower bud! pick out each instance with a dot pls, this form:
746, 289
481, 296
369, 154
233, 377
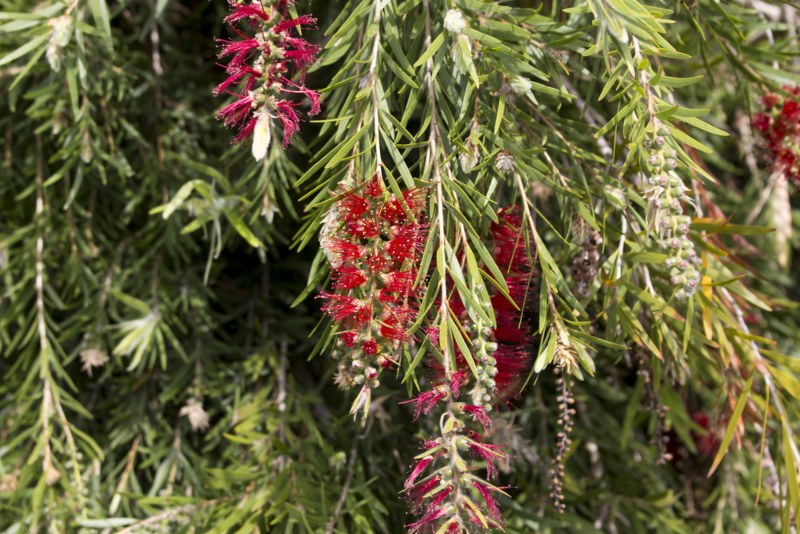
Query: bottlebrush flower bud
461, 53
469, 157
520, 85
454, 21
505, 163
261, 136
665, 211
59, 39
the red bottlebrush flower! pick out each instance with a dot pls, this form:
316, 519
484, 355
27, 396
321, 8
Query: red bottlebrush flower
417, 492
491, 503
398, 284
260, 65
513, 363
369, 347
363, 314
246, 11
418, 469
242, 74
289, 119
509, 237
349, 339
394, 327
761, 122
433, 334
312, 96
240, 50
489, 453
708, 443
352, 207
246, 130
479, 413
303, 20
340, 307
457, 378
378, 263
512, 334
791, 111
405, 244
236, 112
438, 498
431, 516
302, 54
364, 229
374, 188
779, 125
395, 212
344, 251
353, 238
425, 401
513, 331
348, 277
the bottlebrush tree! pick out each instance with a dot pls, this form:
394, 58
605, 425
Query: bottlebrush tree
428, 266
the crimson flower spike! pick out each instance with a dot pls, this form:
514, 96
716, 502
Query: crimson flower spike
373, 241
259, 68
779, 125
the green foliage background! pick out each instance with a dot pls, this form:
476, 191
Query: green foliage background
131, 227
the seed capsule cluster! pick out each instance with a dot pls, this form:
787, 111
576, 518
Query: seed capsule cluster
666, 195
659, 439
565, 422
584, 265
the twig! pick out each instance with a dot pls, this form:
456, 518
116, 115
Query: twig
351, 462
373, 81
621, 248
166, 514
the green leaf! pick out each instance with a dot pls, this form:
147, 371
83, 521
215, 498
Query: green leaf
705, 126
732, 424
431, 50
23, 50
681, 136
101, 17
676, 83
242, 229
715, 226
111, 522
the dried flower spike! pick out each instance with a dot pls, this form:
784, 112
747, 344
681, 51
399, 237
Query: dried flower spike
660, 438
563, 441
584, 265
